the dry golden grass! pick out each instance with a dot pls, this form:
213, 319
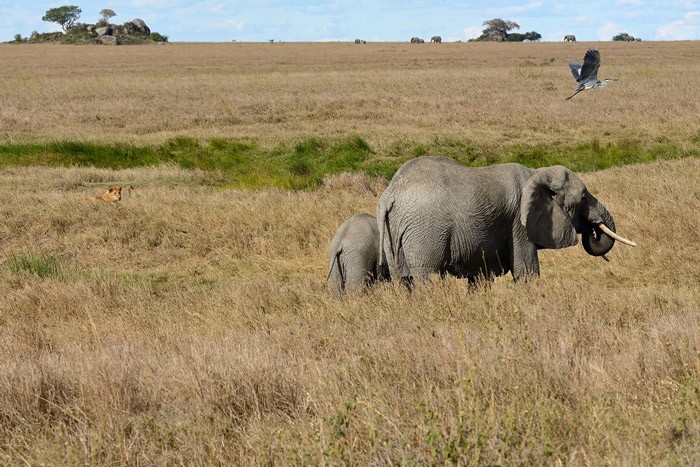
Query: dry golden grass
385, 92
189, 325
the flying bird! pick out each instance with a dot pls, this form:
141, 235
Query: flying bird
587, 75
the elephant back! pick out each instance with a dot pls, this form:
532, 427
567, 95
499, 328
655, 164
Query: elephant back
358, 231
431, 174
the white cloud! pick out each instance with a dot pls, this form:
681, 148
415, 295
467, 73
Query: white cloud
509, 10
608, 30
326, 7
472, 32
683, 29
235, 24
157, 3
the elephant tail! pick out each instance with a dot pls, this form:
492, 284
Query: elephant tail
336, 271
383, 220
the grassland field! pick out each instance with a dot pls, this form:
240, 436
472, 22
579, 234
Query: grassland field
189, 323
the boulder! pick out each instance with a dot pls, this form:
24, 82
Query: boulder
108, 40
141, 25
104, 31
91, 28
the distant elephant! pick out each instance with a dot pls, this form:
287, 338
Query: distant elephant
569, 38
638, 39
358, 41
354, 254
438, 216
436, 39
630, 39
417, 40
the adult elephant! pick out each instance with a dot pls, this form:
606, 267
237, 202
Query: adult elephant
569, 38
438, 216
354, 254
436, 39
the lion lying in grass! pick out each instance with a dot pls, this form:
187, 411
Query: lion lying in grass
112, 195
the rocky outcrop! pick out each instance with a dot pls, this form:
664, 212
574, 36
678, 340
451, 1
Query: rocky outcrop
104, 31
141, 25
108, 40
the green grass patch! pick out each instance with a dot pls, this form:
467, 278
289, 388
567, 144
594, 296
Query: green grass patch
304, 164
592, 156
40, 265
72, 153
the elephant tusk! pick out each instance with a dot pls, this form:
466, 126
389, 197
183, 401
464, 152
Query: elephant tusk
606, 258
612, 234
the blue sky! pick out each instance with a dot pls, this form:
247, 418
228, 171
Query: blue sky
372, 20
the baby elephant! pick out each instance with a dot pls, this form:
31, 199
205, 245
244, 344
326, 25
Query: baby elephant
354, 254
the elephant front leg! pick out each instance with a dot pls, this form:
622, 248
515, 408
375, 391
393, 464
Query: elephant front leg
525, 263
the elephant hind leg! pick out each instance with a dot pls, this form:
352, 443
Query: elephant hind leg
480, 281
358, 277
416, 274
337, 274
421, 273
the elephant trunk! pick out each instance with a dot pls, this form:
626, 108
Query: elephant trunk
595, 241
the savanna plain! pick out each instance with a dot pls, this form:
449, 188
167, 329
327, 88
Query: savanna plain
190, 323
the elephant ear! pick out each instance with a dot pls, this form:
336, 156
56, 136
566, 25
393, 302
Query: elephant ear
547, 224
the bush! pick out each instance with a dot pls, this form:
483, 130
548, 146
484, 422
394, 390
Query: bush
40, 38
158, 37
623, 36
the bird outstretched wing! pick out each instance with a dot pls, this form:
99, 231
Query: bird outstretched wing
575, 69
591, 63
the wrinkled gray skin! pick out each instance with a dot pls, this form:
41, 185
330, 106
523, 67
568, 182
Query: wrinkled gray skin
438, 216
354, 254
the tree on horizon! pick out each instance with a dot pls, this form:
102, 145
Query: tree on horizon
66, 16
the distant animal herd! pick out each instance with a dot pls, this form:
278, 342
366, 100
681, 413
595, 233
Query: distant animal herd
438, 39
414, 40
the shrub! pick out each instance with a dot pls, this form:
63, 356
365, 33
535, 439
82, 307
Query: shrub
623, 36
158, 37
